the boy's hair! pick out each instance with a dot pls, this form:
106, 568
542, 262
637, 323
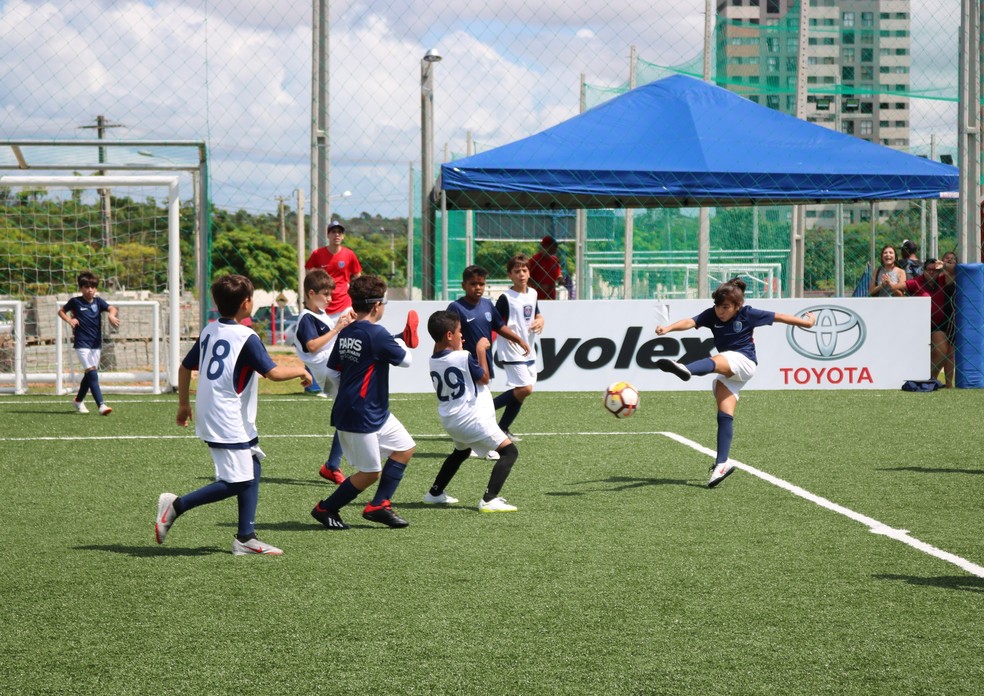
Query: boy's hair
365, 291
732, 291
517, 260
317, 281
229, 292
473, 271
88, 279
441, 322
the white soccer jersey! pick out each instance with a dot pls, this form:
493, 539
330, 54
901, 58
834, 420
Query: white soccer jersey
225, 405
522, 310
460, 398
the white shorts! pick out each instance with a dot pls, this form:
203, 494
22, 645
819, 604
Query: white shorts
319, 371
366, 451
234, 465
743, 369
520, 375
481, 436
89, 357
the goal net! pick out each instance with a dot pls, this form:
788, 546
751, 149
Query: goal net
125, 229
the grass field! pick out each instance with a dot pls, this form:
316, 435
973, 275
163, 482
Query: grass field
620, 574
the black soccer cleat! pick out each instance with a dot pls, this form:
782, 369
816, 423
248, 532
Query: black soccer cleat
383, 513
329, 518
673, 367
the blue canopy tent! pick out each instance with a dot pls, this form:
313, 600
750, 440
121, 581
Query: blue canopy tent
681, 142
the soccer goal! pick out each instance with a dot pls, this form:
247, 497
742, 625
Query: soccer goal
125, 229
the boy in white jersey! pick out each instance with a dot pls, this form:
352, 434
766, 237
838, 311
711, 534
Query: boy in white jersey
520, 312
464, 404
226, 355
313, 341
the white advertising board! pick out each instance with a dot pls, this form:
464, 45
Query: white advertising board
857, 343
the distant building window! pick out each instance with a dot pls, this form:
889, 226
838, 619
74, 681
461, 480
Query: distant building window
772, 6
772, 101
847, 73
848, 38
848, 55
847, 19
867, 19
867, 107
867, 72
867, 55
866, 128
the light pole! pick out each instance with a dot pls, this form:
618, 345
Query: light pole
427, 172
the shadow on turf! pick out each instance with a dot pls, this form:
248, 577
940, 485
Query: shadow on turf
625, 483
151, 550
967, 583
931, 470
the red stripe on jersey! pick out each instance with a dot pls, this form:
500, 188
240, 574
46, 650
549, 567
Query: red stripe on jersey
243, 379
365, 381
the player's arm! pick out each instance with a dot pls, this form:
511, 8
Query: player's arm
184, 399
679, 325
67, 318
283, 373
482, 358
514, 337
316, 344
113, 318
255, 356
536, 326
806, 321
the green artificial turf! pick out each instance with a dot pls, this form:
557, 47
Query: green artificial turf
620, 574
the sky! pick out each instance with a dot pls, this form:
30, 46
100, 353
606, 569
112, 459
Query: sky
237, 74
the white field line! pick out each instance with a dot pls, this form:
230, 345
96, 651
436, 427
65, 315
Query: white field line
873, 525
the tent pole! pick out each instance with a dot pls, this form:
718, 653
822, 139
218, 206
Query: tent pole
704, 216
629, 219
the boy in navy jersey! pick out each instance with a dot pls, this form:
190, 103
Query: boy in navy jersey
82, 314
464, 404
226, 355
360, 362
479, 318
519, 310
731, 322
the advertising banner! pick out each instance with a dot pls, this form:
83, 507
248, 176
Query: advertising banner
857, 343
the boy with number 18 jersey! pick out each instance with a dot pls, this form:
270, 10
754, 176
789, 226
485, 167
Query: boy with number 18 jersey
226, 355
464, 404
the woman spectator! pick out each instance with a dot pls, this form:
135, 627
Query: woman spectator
887, 275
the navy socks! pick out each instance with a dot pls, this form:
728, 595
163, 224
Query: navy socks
704, 366
726, 431
388, 481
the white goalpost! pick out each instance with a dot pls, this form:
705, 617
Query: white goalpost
160, 343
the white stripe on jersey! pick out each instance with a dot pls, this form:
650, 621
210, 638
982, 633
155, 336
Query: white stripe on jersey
522, 309
321, 357
221, 414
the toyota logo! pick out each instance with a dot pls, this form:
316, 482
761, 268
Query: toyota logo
838, 332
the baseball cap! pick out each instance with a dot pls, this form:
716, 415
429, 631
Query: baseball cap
336, 223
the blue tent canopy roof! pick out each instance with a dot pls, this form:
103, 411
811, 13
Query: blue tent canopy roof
681, 142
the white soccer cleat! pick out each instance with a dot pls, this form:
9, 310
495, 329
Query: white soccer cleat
254, 547
104, 410
496, 505
165, 515
79, 406
443, 499
719, 473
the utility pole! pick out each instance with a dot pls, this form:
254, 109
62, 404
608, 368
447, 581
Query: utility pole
100, 127
281, 212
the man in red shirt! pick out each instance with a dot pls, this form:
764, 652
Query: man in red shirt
342, 265
545, 269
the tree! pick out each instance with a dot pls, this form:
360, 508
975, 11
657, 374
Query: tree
270, 264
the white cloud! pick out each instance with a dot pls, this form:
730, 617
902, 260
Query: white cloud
237, 73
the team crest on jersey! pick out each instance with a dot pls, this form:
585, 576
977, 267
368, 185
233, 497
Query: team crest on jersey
341, 264
736, 326
488, 316
527, 312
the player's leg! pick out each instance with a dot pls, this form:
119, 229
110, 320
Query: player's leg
85, 361
397, 446
332, 468
520, 379
727, 401
492, 501
437, 495
104, 409
409, 333
938, 352
245, 542
716, 364
362, 450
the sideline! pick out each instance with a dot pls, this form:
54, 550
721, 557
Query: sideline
873, 525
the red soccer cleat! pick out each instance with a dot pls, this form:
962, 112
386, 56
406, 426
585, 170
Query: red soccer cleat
410, 330
333, 475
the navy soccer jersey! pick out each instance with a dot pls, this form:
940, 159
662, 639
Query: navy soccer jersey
477, 321
88, 334
362, 355
736, 334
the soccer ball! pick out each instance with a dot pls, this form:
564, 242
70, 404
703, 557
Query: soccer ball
621, 399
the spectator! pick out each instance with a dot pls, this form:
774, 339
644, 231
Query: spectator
932, 284
910, 260
545, 269
888, 274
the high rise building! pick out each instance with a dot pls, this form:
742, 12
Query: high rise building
857, 66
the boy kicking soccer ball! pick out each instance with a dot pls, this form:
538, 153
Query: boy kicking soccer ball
467, 413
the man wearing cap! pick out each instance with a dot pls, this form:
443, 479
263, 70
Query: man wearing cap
545, 269
342, 265
932, 283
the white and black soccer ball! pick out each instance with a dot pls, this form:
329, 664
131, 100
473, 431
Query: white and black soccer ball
621, 399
